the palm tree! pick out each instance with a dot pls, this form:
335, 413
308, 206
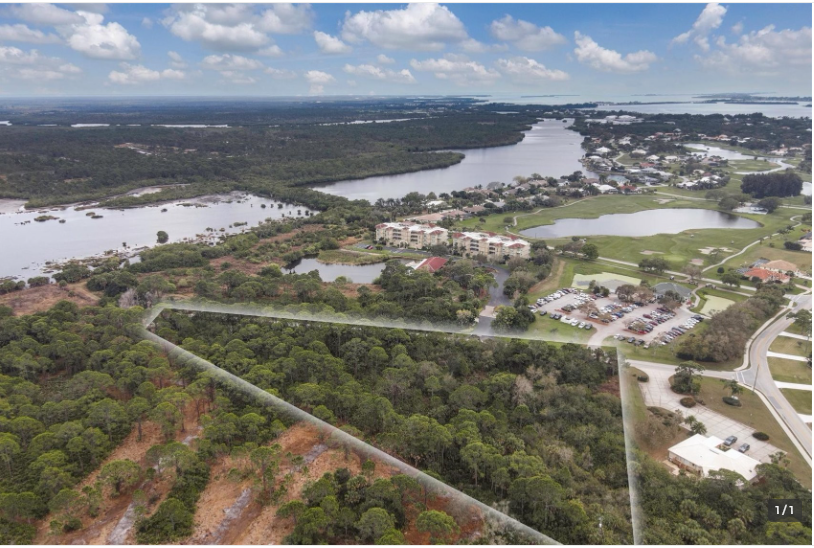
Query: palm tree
733, 387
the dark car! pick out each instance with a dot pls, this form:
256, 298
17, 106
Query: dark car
743, 448
730, 440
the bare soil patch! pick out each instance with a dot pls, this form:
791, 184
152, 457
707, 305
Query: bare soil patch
40, 299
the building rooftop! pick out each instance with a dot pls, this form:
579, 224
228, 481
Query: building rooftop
431, 264
703, 452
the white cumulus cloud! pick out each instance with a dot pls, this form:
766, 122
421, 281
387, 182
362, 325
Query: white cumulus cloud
45, 14
458, 69
525, 70
229, 61
524, 35
710, 19
280, 74
236, 27
32, 65
330, 44
176, 61
766, 51
318, 80
383, 59
23, 33
403, 76
93, 38
422, 27
592, 54
139, 74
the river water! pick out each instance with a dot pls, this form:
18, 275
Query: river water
643, 223
549, 149
26, 245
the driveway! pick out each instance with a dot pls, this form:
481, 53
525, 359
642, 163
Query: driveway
657, 393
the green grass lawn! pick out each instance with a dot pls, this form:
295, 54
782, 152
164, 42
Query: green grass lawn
797, 330
546, 328
562, 275
788, 345
722, 293
790, 371
346, 256
772, 249
752, 165
800, 400
756, 415
712, 304
666, 354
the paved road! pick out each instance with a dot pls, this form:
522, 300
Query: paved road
657, 393
759, 375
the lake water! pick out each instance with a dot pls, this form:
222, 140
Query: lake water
25, 248
643, 223
548, 149
359, 274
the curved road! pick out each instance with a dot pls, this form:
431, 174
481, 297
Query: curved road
758, 375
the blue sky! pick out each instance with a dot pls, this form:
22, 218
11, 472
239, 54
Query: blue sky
591, 50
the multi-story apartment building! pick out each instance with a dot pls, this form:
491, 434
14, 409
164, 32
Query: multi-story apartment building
414, 235
490, 244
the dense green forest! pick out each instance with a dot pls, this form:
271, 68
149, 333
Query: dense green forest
49, 165
765, 133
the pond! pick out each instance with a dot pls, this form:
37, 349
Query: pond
643, 223
548, 148
26, 245
358, 274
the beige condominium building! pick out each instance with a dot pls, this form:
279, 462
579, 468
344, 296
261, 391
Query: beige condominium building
490, 244
407, 234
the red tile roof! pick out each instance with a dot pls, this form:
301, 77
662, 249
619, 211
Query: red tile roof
432, 264
764, 274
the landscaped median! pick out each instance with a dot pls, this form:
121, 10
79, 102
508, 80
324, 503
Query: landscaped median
792, 346
789, 370
800, 400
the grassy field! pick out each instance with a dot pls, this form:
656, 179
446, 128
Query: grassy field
772, 249
562, 275
790, 371
546, 328
800, 400
752, 165
666, 354
713, 303
722, 293
677, 249
797, 330
787, 345
345, 256
755, 415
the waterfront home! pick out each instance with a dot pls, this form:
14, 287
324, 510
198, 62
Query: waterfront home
431, 264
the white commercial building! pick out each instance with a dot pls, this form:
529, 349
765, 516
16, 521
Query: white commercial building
702, 455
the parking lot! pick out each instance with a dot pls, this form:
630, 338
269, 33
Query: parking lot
641, 324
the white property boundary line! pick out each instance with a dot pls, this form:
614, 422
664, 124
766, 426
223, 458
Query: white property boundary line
457, 498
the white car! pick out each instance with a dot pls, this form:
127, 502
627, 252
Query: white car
574, 322
566, 319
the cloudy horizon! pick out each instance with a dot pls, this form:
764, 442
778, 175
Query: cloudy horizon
291, 50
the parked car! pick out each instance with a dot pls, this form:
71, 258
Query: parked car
589, 326
543, 312
743, 448
730, 441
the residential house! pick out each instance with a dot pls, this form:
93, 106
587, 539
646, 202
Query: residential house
766, 275
783, 267
431, 264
